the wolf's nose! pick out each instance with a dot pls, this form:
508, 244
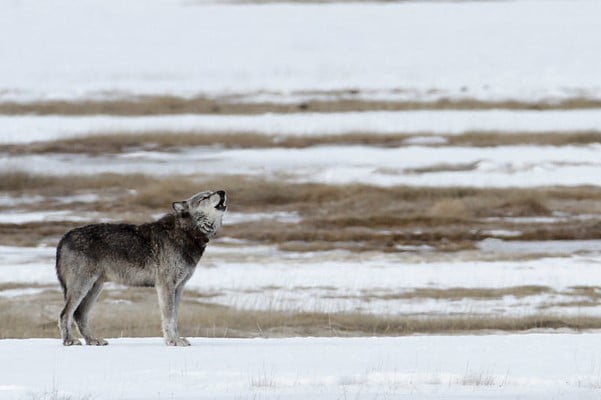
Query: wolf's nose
221, 193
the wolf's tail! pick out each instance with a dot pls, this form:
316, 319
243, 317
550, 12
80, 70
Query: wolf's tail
58, 269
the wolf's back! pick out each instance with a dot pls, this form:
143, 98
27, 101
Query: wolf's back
89, 246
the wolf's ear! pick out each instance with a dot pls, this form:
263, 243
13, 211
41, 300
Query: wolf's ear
180, 207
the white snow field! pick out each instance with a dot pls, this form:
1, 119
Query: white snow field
530, 367
413, 164
256, 277
501, 166
490, 50
32, 128
524, 50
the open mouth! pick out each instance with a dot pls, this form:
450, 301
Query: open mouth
221, 206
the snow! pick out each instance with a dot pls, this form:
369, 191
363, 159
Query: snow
22, 217
108, 49
555, 218
376, 284
532, 366
556, 247
488, 50
9, 200
20, 292
253, 277
30, 128
501, 166
19, 200
277, 216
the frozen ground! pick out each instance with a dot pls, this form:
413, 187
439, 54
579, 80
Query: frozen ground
529, 367
29, 128
488, 50
282, 53
501, 166
262, 278
416, 163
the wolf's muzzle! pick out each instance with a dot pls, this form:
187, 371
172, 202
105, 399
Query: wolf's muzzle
221, 206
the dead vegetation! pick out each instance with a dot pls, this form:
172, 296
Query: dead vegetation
355, 217
19, 182
313, 101
465, 293
122, 142
352, 217
134, 313
489, 139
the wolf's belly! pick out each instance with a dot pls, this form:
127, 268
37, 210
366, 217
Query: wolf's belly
129, 275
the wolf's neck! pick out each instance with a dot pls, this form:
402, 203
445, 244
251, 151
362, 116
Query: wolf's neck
194, 239
183, 232
197, 236
187, 236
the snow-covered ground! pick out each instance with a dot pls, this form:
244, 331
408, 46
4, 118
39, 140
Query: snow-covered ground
256, 277
416, 163
501, 166
529, 367
526, 50
504, 49
12, 217
29, 128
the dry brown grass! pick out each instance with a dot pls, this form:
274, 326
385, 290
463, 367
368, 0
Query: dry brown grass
134, 313
488, 139
34, 233
443, 167
119, 142
466, 293
13, 285
15, 181
357, 217
345, 100
24, 182
448, 208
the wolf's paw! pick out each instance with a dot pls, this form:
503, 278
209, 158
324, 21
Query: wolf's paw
177, 342
71, 342
96, 342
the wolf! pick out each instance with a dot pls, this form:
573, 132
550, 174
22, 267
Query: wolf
163, 254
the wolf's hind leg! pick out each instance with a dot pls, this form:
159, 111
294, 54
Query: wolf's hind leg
75, 293
82, 315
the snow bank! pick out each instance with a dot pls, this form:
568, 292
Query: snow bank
535, 366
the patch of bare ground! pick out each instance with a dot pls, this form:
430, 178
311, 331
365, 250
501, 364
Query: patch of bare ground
134, 312
123, 142
312, 101
356, 217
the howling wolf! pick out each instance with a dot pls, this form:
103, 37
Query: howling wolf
162, 254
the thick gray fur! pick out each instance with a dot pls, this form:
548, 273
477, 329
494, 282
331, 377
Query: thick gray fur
162, 254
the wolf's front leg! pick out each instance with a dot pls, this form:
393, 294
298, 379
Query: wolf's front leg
168, 304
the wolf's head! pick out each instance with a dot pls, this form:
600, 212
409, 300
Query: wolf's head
206, 210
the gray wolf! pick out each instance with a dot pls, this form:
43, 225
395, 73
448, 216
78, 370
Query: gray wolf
163, 254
